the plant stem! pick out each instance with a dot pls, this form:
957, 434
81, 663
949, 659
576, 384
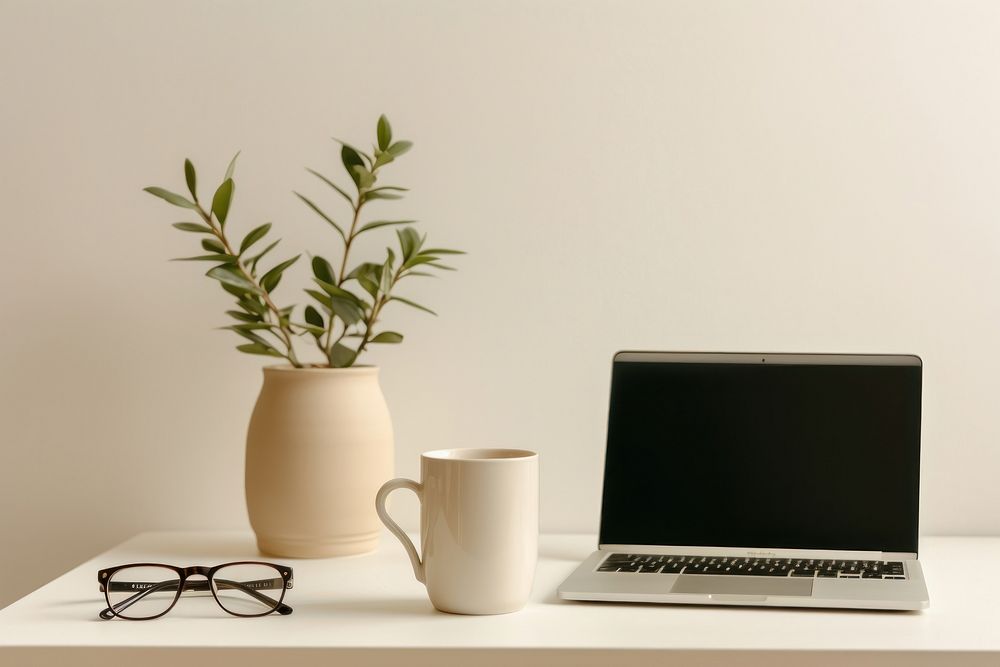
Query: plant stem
350, 239
341, 277
284, 333
377, 310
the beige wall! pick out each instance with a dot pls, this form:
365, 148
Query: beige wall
769, 175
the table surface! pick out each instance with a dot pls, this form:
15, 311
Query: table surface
372, 602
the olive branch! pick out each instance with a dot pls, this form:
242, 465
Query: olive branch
349, 302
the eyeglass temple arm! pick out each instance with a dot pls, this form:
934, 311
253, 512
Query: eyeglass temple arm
110, 612
198, 585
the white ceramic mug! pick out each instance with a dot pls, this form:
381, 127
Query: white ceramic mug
478, 528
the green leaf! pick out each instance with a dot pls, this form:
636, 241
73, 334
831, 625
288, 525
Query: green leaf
192, 180
255, 235
170, 197
252, 306
365, 178
223, 197
392, 188
380, 195
347, 310
257, 348
414, 305
388, 337
366, 274
314, 317
238, 292
322, 269
351, 159
271, 279
340, 190
409, 242
256, 258
228, 276
385, 278
442, 266
249, 335
317, 332
232, 166
213, 245
342, 356
399, 148
384, 223
243, 317
249, 327
323, 299
193, 227
362, 270
441, 251
384, 131
366, 156
337, 292
225, 259
323, 215
419, 259
369, 286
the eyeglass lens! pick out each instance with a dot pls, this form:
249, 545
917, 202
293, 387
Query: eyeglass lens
248, 589
142, 592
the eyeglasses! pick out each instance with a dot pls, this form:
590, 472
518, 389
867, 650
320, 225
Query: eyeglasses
144, 591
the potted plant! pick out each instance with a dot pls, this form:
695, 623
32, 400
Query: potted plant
320, 439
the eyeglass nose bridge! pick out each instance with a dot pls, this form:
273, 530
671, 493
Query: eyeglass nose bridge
196, 569
196, 580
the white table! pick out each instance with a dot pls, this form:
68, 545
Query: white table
368, 610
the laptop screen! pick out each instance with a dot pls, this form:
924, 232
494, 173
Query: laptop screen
763, 455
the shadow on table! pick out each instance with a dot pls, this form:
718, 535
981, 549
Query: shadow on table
366, 606
89, 610
734, 610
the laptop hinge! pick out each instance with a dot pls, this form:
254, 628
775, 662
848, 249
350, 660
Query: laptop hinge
749, 552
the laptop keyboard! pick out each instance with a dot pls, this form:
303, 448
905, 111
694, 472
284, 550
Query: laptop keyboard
757, 567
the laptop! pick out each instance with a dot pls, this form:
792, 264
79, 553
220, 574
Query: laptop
760, 479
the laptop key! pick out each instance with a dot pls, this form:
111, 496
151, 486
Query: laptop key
617, 558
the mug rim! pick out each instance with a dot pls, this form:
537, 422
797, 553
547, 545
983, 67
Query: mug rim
480, 455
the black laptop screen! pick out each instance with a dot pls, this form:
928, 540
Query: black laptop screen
763, 455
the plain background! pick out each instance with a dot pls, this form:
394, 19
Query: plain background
703, 175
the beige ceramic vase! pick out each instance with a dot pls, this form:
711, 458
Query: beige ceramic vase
319, 447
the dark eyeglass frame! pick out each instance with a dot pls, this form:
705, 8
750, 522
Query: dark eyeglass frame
107, 575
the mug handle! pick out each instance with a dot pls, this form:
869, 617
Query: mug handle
380, 498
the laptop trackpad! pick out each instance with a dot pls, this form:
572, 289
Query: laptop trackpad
707, 584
